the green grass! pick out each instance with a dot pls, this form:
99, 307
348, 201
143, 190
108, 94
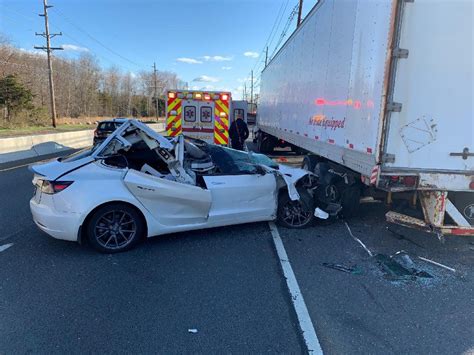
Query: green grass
25, 131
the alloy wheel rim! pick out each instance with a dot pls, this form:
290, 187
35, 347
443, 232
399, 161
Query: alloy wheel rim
115, 229
295, 214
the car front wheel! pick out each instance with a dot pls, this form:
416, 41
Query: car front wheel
295, 214
115, 228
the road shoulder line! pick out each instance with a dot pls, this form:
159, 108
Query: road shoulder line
309, 334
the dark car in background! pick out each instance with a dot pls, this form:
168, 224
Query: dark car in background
104, 128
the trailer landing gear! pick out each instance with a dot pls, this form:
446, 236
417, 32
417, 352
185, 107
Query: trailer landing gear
435, 206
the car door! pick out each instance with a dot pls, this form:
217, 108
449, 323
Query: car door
242, 198
170, 202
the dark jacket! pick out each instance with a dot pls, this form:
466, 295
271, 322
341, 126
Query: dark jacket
238, 132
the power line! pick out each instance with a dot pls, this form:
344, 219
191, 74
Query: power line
271, 35
98, 41
49, 50
276, 25
285, 29
56, 27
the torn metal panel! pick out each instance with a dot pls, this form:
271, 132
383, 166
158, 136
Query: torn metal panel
434, 206
411, 222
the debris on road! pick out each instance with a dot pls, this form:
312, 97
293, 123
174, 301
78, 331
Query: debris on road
349, 269
192, 330
400, 267
437, 264
5, 246
404, 259
358, 240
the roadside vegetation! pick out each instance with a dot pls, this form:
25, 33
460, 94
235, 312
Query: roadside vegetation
85, 93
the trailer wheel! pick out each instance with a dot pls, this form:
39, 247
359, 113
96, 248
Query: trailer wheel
265, 144
350, 200
309, 163
348, 196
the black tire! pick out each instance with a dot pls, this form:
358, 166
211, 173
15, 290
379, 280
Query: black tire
295, 214
265, 143
106, 228
309, 163
347, 196
349, 199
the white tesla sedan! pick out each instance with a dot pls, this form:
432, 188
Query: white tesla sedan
138, 184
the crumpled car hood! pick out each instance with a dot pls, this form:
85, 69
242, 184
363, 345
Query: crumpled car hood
291, 177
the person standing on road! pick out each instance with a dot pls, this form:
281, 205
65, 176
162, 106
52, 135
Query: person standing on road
238, 133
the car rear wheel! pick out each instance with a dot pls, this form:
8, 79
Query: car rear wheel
115, 228
295, 214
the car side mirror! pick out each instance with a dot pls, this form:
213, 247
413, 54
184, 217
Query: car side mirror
260, 170
117, 161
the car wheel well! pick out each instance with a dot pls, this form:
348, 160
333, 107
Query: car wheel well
82, 229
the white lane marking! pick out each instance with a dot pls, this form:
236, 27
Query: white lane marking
306, 325
5, 247
358, 240
16, 167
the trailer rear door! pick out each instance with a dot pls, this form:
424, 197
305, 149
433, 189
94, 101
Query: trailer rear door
435, 128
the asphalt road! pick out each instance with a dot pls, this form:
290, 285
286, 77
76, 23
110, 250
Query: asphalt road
58, 297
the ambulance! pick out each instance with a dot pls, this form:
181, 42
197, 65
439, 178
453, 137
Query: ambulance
204, 115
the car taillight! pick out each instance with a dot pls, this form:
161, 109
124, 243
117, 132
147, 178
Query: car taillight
52, 187
471, 185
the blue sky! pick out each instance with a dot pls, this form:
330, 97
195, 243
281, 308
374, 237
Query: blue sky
208, 43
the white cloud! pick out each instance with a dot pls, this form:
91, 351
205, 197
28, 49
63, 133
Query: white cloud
188, 60
251, 54
72, 47
216, 58
206, 79
226, 68
206, 87
33, 51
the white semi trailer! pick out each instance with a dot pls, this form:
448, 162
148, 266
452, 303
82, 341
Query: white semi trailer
380, 93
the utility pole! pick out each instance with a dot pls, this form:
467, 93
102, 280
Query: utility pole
49, 51
266, 56
155, 87
300, 8
245, 91
251, 87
